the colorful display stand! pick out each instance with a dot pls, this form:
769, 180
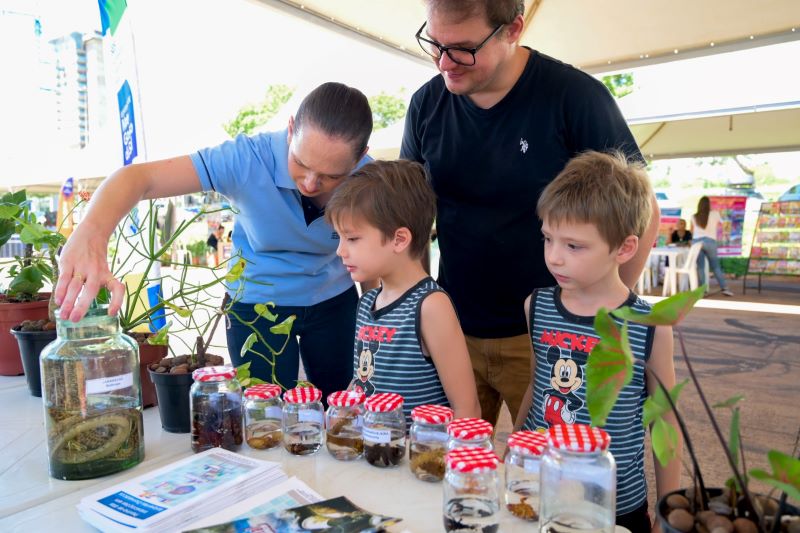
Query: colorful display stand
776, 242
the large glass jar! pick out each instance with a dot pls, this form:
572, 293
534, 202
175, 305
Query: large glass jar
343, 421
92, 398
262, 416
578, 481
525, 449
384, 430
471, 496
428, 441
303, 420
216, 409
470, 432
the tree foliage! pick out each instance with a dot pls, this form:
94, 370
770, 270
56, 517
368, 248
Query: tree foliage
386, 110
253, 116
619, 84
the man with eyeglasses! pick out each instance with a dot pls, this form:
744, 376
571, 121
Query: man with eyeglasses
493, 129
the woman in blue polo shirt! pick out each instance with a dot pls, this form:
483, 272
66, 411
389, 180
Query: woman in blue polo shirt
280, 183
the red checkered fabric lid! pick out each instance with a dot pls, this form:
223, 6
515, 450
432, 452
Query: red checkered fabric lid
214, 373
471, 459
470, 429
302, 395
383, 402
346, 398
432, 414
531, 442
265, 391
578, 438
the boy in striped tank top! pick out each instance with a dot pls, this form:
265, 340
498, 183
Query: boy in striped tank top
408, 339
593, 215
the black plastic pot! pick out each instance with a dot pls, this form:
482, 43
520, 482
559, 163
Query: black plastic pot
31, 344
173, 400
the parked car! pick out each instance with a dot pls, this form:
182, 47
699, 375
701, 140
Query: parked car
792, 195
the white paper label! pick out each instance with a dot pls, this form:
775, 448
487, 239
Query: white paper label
107, 384
531, 465
309, 415
273, 412
377, 436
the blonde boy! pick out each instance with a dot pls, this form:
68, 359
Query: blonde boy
593, 215
408, 339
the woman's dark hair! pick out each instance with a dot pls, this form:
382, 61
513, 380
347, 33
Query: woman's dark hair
337, 111
703, 208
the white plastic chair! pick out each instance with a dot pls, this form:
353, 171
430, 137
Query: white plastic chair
645, 282
688, 267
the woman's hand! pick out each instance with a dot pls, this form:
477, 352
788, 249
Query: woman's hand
83, 269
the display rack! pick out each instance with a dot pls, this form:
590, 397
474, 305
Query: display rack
776, 242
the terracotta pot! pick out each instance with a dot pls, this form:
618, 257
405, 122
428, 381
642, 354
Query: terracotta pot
13, 314
148, 354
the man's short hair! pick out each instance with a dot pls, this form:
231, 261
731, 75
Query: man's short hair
497, 12
604, 189
388, 195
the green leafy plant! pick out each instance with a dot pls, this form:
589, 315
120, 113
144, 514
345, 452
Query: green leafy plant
253, 116
609, 369
386, 109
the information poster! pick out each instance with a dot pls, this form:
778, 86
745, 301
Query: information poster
776, 243
667, 224
729, 232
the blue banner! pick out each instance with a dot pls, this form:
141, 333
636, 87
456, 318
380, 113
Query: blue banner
127, 123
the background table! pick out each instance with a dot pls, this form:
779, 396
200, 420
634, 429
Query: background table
30, 500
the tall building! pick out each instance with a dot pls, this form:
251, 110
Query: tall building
72, 113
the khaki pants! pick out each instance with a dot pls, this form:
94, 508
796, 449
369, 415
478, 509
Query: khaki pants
502, 369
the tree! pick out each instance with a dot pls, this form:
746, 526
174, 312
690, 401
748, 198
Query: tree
386, 109
253, 116
619, 84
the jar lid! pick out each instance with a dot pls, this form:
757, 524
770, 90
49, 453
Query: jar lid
214, 373
472, 459
346, 398
578, 438
531, 442
302, 395
265, 391
432, 414
470, 428
383, 402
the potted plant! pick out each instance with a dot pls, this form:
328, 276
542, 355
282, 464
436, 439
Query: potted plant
25, 311
696, 508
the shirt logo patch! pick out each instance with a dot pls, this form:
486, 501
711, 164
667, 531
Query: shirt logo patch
523, 145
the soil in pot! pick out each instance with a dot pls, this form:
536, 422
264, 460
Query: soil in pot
32, 336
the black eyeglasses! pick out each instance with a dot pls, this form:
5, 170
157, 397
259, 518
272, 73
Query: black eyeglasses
459, 54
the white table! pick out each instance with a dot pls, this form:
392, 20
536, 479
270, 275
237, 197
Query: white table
672, 253
32, 501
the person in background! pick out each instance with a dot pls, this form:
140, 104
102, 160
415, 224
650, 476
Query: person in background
214, 241
279, 183
584, 253
496, 126
408, 339
681, 235
704, 230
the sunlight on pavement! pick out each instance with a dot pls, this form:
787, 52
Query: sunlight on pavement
733, 305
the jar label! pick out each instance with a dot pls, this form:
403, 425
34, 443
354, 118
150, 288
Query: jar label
531, 465
109, 383
273, 412
309, 415
359, 423
378, 436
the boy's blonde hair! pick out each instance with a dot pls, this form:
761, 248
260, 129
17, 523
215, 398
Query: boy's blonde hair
388, 195
603, 189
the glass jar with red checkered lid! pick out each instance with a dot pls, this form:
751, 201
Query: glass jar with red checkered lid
343, 421
470, 432
471, 496
525, 449
262, 416
577, 480
384, 430
302, 420
428, 441
216, 409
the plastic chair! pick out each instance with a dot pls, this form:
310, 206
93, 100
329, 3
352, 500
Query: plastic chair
688, 267
645, 282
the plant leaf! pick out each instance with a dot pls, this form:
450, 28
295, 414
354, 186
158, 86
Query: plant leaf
32, 232
666, 312
665, 441
248, 343
161, 336
657, 405
609, 367
734, 438
181, 311
103, 296
236, 271
18, 198
285, 327
730, 402
263, 310
785, 474
8, 210
7, 229
28, 281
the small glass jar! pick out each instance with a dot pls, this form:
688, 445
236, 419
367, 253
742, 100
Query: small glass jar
92, 399
216, 409
262, 416
343, 421
470, 432
302, 420
471, 496
577, 481
525, 449
384, 430
428, 441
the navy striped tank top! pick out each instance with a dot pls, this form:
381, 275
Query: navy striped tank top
388, 349
561, 343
